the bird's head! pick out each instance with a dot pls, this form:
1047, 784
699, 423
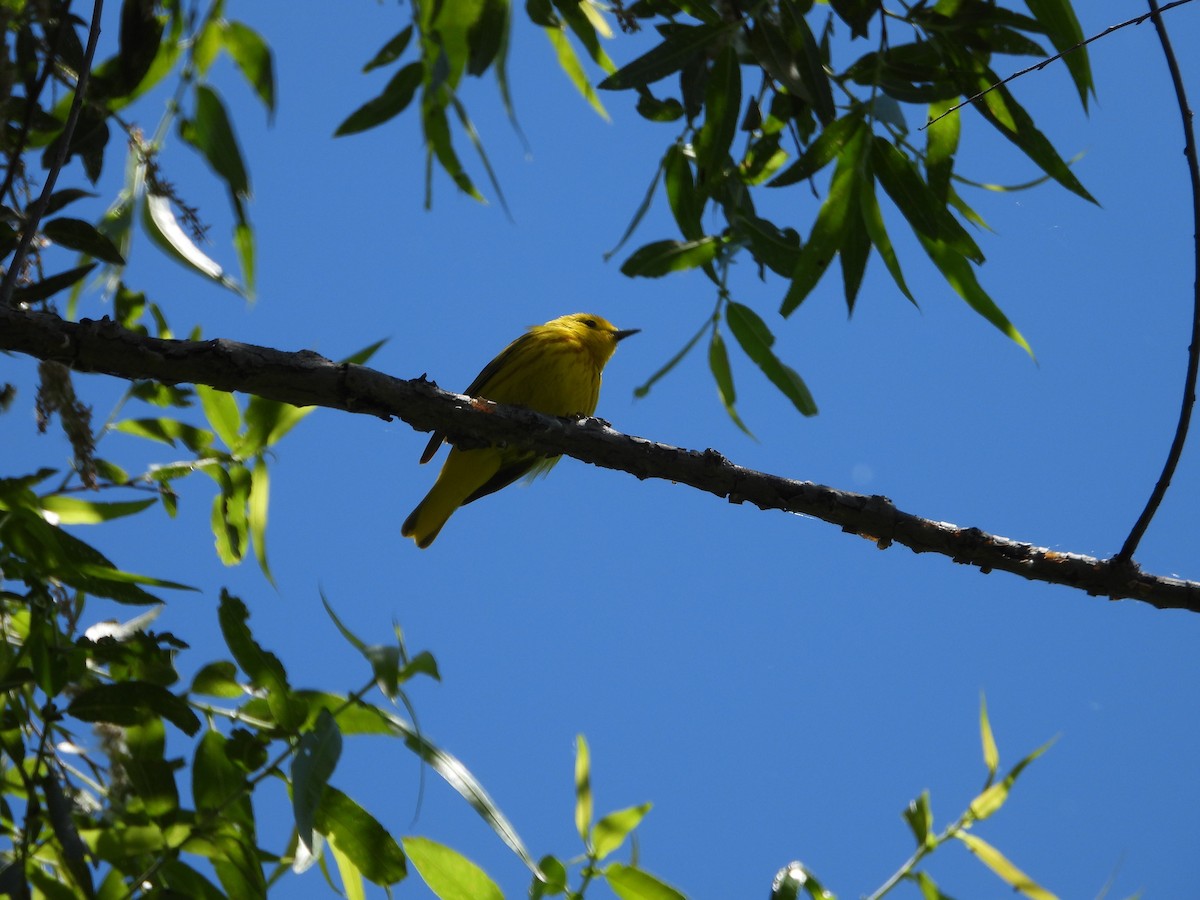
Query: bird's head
598, 335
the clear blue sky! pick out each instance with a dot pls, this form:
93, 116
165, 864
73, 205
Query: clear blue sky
779, 690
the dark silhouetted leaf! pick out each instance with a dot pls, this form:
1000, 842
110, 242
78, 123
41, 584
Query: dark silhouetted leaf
253, 57
663, 257
722, 106
1058, 19
128, 702
210, 132
82, 236
718, 364
822, 151
756, 340
684, 45
48, 287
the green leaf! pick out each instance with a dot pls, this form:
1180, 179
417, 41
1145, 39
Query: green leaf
828, 146
794, 61
685, 43
611, 831
221, 411
718, 364
267, 421
722, 105
253, 57
73, 511
264, 669
919, 817
756, 340
357, 834
60, 199
449, 874
556, 877
872, 218
829, 230
568, 61
991, 798
999, 863
168, 431
929, 888
856, 247
856, 13
391, 51
392, 101
48, 287
1001, 109
941, 143
82, 236
655, 110
440, 146
687, 205
808, 62
256, 514
217, 782
243, 243
217, 679
1058, 19
210, 132
384, 660
991, 754
57, 554
631, 883
583, 788
958, 272
659, 258
488, 36
352, 880
129, 702
316, 757
919, 205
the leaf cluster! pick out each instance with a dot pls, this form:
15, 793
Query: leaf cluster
786, 135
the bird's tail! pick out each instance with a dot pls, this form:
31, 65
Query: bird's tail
424, 522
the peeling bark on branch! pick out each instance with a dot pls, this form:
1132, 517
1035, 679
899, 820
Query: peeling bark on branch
308, 379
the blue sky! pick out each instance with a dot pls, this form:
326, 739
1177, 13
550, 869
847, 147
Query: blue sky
778, 689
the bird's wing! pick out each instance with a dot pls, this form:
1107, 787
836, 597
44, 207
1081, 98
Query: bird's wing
508, 473
479, 388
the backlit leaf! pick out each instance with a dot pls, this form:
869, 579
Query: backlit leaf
449, 874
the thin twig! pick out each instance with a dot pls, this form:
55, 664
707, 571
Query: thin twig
1189, 381
1137, 20
35, 214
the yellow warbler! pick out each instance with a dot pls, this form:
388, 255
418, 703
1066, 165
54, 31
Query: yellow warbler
553, 369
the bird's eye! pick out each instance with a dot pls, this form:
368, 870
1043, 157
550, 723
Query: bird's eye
590, 323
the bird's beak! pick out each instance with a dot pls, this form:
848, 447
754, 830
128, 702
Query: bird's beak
621, 335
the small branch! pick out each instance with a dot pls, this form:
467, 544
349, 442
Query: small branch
1036, 67
38, 209
308, 379
1193, 365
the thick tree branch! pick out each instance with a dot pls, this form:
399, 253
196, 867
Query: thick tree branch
308, 379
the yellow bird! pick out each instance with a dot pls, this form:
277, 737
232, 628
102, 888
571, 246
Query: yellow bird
553, 369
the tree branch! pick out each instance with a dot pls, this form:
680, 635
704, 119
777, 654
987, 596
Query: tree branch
308, 379
1193, 364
